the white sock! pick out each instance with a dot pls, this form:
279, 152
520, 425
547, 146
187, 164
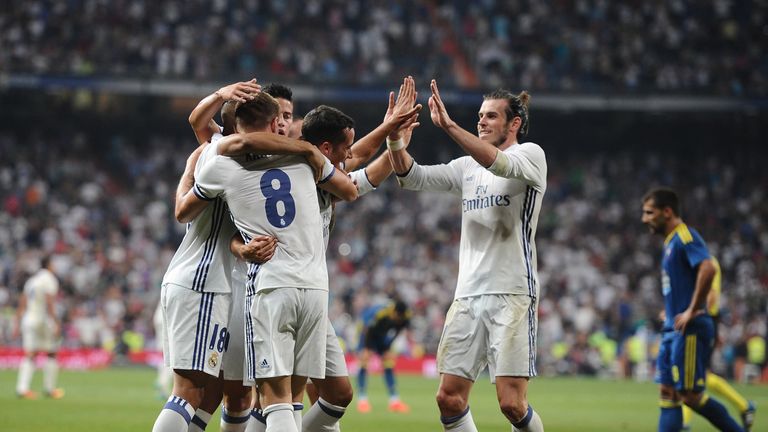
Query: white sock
234, 421
175, 416
280, 418
257, 422
298, 409
200, 421
50, 373
530, 423
323, 417
460, 423
26, 369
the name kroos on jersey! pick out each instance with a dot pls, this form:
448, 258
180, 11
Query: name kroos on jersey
480, 203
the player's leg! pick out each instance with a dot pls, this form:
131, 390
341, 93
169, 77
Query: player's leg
334, 392
298, 387
289, 338
671, 413
690, 358
717, 384
196, 333
311, 348
30, 340
186, 396
671, 416
512, 395
257, 422
212, 394
395, 404
512, 325
23, 381
453, 402
363, 405
236, 411
277, 400
461, 356
50, 375
687, 417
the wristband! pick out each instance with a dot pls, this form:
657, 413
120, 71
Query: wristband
395, 145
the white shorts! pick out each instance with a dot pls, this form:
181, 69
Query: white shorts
335, 363
287, 333
38, 335
196, 331
498, 330
233, 365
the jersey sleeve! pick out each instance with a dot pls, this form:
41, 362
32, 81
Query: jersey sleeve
210, 174
439, 178
696, 250
525, 162
361, 180
52, 285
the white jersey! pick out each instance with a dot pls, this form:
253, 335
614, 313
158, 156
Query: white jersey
500, 213
272, 195
203, 261
38, 287
325, 200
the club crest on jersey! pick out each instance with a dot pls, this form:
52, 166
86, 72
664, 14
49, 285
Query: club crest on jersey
213, 360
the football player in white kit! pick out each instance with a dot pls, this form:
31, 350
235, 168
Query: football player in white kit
334, 392
40, 329
493, 318
287, 296
236, 409
197, 280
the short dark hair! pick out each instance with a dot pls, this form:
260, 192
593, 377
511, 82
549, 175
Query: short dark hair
517, 106
326, 123
228, 117
45, 261
663, 197
277, 90
258, 112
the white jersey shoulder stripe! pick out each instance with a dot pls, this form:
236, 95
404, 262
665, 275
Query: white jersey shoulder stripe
201, 274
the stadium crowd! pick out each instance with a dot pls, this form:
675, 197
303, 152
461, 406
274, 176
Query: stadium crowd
715, 46
103, 209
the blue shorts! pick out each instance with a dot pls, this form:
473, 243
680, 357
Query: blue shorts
684, 358
376, 344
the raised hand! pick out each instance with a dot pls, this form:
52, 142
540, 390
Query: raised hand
402, 112
240, 92
437, 109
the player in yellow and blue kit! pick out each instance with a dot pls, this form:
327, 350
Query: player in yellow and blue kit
687, 273
381, 325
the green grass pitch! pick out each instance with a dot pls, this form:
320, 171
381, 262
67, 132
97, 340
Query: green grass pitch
125, 400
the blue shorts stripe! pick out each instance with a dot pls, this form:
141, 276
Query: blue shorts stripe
250, 353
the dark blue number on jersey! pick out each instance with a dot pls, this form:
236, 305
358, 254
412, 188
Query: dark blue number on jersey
279, 194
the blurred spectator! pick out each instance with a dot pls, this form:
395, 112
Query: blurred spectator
713, 46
